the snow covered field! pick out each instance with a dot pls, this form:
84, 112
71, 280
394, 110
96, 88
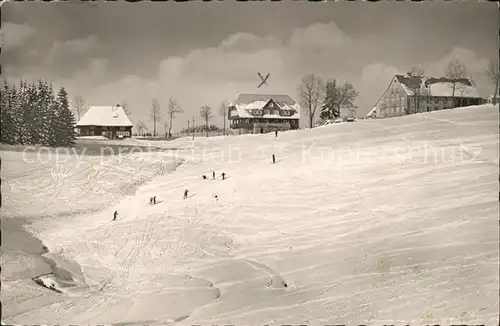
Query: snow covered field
378, 221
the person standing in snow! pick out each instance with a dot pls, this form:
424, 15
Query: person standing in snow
154, 200
115, 215
276, 133
216, 198
213, 175
223, 176
274, 159
186, 193
150, 200
204, 177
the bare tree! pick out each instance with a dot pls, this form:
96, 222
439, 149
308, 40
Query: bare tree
206, 114
141, 127
223, 112
126, 108
417, 71
79, 106
173, 109
417, 88
155, 115
310, 93
454, 72
493, 73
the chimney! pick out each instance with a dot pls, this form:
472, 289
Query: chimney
409, 74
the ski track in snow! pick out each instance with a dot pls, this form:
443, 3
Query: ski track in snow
385, 238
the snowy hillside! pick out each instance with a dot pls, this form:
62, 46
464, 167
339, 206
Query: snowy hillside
375, 222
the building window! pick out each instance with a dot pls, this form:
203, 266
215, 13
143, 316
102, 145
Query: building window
276, 112
436, 100
445, 100
266, 111
122, 133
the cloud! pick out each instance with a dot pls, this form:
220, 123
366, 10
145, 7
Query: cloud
375, 79
208, 76
15, 35
63, 56
473, 62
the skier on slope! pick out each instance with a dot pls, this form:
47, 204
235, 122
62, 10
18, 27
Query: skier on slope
213, 175
223, 176
154, 200
274, 159
186, 193
115, 215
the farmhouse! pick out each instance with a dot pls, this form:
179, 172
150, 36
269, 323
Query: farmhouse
260, 113
107, 121
407, 94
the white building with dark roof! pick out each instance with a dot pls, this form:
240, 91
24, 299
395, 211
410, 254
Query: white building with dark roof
259, 113
108, 121
407, 94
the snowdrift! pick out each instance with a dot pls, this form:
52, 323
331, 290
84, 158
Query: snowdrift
378, 221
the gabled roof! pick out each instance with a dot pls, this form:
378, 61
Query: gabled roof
249, 98
438, 86
109, 116
246, 102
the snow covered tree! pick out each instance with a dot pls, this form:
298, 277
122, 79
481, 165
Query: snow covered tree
66, 136
44, 114
337, 97
7, 115
30, 115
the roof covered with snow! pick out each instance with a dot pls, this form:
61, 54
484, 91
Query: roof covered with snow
250, 98
110, 116
437, 86
245, 103
372, 111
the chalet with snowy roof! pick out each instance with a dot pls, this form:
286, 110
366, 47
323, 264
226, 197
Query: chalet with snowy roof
407, 94
261, 113
108, 121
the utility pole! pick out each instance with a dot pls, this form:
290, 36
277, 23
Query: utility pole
193, 127
188, 127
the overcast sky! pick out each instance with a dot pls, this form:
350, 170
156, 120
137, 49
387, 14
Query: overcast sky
204, 53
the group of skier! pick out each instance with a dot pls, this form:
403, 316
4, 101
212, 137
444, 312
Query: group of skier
152, 200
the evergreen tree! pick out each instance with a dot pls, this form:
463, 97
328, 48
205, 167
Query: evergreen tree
43, 110
66, 118
328, 109
337, 97
7, 120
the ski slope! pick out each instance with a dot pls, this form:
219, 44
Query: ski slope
378, 221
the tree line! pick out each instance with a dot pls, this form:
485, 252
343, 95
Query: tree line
173, 109
331, 96
34, 114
